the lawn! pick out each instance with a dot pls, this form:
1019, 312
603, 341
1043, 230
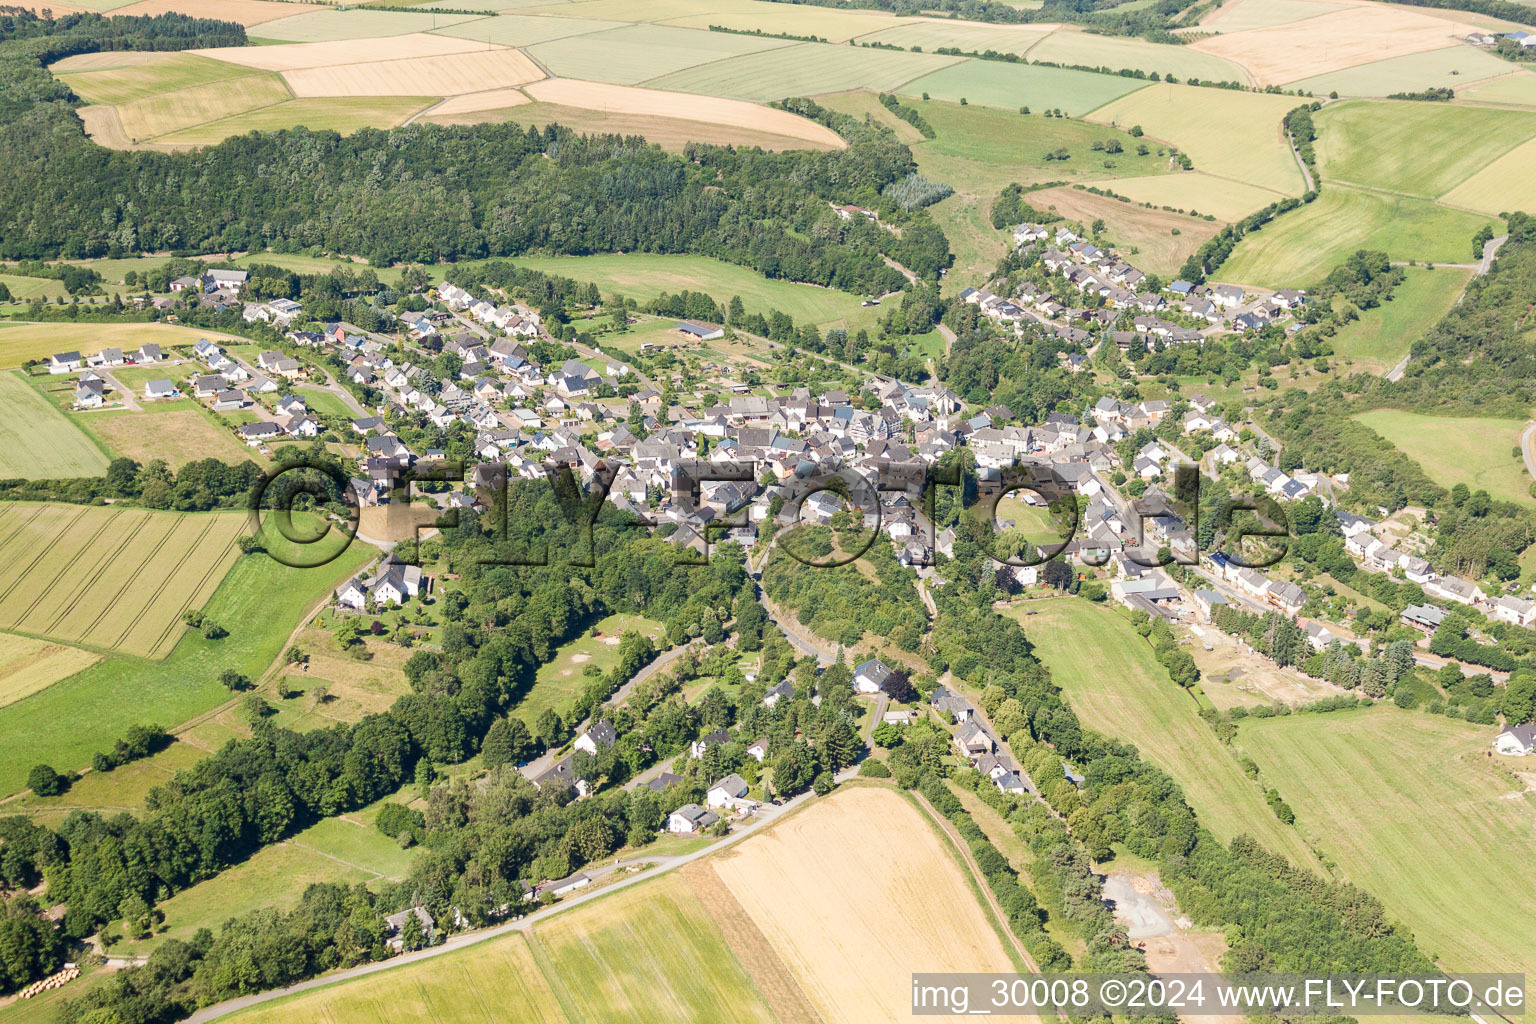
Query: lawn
1417, 149
29, 665
1382, 336
1226, 133
37, 440
494, 982
1411, 810
1011, 86
644, 276
649, 952
115, 579
342, 114
1116, 687
561, 680
259, 602
802, 70
1299, 247
178, 432
635, 53
326, 403
1471, 451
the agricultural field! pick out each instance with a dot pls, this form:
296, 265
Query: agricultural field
1365, 782
1235, 135
1455, 67
1011, 86
1069, 45
1195, 192
22, 342
37, 440
1244, 15
258, 601
360, 23
863, 104
145, 120
709, 110
356, 688
1112, 681
521, 30
561, 680
496, 982
1301, 246
636, 53
1417, 149
646, 952
1383, 336
801, 70
807, 886
1507, 184
338, 114
971, 36
739, 15
246, 12
141, 79
1516, 89
1473, 451
644, 276
1338, 40
116, 579
29, 665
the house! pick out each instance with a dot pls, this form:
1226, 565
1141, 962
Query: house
1517, 740
660, 783
1515, 610
947, 702
719, 737
600, 737
65, 362
1288, 597
1423, 616
1208, 601
560, 887
254, 434
148, 354
353, 594
107, 357
160, 389
973, 740
395, 925
225, 280
230, 399
871, 676
779, 692
90, 394
396, 582
758, 750
1318, 635
730, 791
690, 818
1453, 588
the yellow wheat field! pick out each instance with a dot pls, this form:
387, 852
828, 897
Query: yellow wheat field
297, 56
246, 12
418, 76
855, 894
1332, 42
474, 102
624, 99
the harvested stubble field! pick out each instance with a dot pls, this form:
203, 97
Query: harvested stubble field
1332, 42
246, 12
358, 23
137, 80
629, 101
807, 886
741, 15
342, 114
21, 342
298, 56
1194, 191
1073, 46
522, 30
963, 35
417, 76
39, 441
1252, 14
153, 116
110, 578
29, 665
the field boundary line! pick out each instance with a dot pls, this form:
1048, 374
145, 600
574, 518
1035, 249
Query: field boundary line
338, 860
46, 591
129, 628
193, 592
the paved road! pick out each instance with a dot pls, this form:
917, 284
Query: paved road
1483, 266
766, 814
129, 401
1525, 449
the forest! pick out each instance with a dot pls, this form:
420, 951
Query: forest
429, 193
